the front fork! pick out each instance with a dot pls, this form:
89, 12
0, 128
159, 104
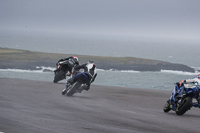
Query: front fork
173, 99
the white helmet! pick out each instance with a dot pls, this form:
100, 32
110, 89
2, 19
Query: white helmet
75, 57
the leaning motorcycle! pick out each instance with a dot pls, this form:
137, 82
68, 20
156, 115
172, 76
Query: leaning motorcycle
181, 99
81, 79
60, 72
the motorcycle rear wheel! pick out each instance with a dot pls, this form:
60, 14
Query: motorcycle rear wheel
184, 106
74, 88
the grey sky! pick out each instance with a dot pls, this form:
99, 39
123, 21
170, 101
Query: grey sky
157, 18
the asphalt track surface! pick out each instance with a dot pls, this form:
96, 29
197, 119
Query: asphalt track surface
39, 107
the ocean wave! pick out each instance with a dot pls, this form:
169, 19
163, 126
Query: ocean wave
115, 70
38, 70
179, 72
44, 69
130, 71
197, 69
101, 70
20, 70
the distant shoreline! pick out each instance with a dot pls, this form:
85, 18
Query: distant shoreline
24, 59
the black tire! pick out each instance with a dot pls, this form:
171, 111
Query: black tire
59, 76
184, 106
74, 88
64, 92
167, 108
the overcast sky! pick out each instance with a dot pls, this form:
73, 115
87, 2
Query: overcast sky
160, 18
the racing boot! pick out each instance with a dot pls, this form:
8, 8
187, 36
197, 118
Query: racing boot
87, 87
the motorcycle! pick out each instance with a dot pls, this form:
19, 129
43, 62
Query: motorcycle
181, 99
61, 71
81, 79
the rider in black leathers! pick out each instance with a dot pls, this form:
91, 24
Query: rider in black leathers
72, 61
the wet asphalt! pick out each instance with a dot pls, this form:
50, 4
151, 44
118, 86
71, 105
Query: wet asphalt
28, 106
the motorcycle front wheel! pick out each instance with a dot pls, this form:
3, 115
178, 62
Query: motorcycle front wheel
184, 106
167, 108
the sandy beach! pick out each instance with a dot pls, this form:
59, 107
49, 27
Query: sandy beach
28, 106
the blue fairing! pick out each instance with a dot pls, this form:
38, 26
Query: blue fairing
188, 92
193, 92
84, 77
177, 91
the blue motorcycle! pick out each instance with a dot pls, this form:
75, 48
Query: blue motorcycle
182, 97
80, 84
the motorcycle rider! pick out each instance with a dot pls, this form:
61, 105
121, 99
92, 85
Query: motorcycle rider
72, 61
195, 80
89, 68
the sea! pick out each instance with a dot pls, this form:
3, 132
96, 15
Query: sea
174, 50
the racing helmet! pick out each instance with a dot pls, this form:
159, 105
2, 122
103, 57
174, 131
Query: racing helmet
198, 76
75, 57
